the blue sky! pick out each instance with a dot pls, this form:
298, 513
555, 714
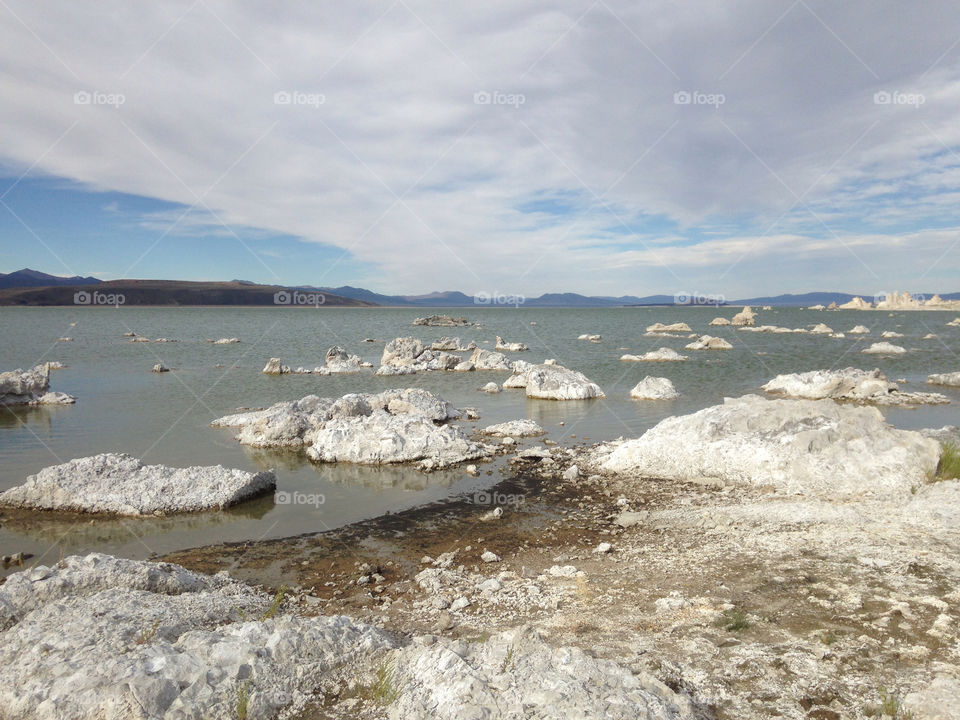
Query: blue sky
604, 148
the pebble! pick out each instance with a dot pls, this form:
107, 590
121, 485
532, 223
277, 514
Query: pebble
489, 557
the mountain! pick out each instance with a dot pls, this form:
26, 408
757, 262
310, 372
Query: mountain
174, 293
804, 300
35, 278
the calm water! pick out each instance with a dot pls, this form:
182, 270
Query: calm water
123, 407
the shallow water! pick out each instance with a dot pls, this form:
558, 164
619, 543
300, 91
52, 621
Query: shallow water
123, 407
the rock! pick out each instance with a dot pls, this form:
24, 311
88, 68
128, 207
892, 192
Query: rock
821, 329
509, 347
571, 474
337, 360
119, 484
554, 382
654, 388
859, 330
491, 387
891, 334
406, 356
449, 344
489, 360
848, 384
116, 639
744, 317
225, 341
442, 321
515, 674
591, 338
663, 354
471, 470
720, 321
461, 603
930, 336
275, 367
515, 428
465, 366
55, 398
806, 447
954, 323
672, 328
401, 425
707, 342
489, 557
857, 303
566, 571
937, 700
603, 548
23, 387
816, 307
948, 379
160, 368
884, 348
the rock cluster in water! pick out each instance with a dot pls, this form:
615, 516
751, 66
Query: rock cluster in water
550, 381
851, 384
30, 387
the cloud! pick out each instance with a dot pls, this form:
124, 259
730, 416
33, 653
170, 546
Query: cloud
412, 135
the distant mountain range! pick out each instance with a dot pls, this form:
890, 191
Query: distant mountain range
31, 287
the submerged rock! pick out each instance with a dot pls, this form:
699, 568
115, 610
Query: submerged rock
510, 347
808, 447
591, 338
891, 334
949, 379
663, 354
393, 426
514, 428
553, 382
848, 384
708, 342
119, 484
29, 387
884, 348
654, 388
821, 329
225, 341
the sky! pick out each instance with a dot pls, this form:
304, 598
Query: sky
735, 149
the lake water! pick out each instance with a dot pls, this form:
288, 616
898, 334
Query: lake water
164, 418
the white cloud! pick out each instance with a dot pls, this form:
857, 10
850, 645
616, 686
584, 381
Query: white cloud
399, 167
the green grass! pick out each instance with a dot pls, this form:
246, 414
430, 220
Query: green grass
147, 635
275, 605
383, 690
734, 620
243, 698
949, 468
890, 706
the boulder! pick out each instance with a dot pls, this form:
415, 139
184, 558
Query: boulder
884, 348
553, 382
442, 321
30, 387
491, 387
948, 379
490, 360
337, 360
744, 317
654, 388
514, 428
859, 330
821, 329
591, 338
720, 321
663, 354
274, 366
673, 328
815, 448
954, 323
891, 334
707, 342
849, 384
118, 484
451, 344
509, 346
406, 356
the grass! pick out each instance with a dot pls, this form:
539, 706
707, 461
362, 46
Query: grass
889, 707
147, 635
734, 620
243, 699
949, 468
275, 604
383, 690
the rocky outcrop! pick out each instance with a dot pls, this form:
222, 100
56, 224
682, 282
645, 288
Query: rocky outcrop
815, 448
514, 428
509, 346
663, 354
490, 360
849, 384
708, 342
858, 303
884, 348
275, 366
99, 636
452, 344
30, 387
553, 382
407, 355
678, 327
744, 317
821, 329
654, 388
338, 360
394, 426
442, 321
118, 484
948, 379
891, 334
720, 321
859, 330
954, 323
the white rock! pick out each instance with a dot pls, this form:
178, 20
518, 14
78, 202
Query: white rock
120, 484
848, 384
55, 398
554, 382
571, 474
821, 329
489, 557
275, 366
949, 379
954, 323
720, 321
663, 354
744, 317
603, 548
672, 328
891, 334
460, 603
515, 428
807, 447
225, 341
591, 338
160, 368
337, 360
859, 330
23, 387
937, 700
567, 571
654, 388
509, 346
884, 348
406, 356
442, 321
707, 342
489, 360
491, 387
